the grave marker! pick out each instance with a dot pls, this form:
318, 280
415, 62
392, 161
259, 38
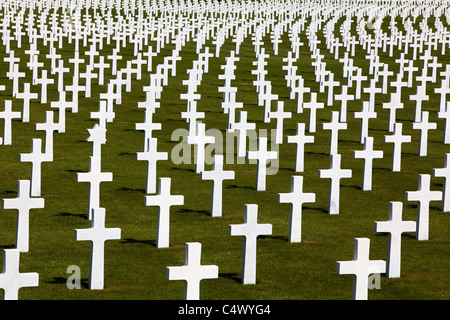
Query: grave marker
250, 229
164, 200
97, 234
23, 204
395, 226
296, 198
192, 271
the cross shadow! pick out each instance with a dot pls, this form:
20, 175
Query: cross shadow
232, 276
9, 192
133, 241
184, 169
354, 187
84, 282
317, 209
131, 189
8, 246
235, 186
186, 210
68, 214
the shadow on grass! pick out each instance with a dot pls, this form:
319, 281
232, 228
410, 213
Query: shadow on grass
186, 210
61, 280
316, 209
8, 246
134, 241
232, 276
68, 214
235, 186
183, 169
131, 189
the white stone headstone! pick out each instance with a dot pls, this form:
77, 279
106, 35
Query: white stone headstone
36, 157
8, 115
164, 200
217, 175
395, 226
11, 280
262, 155
334, 126
250, 229
192, 272
335, 174
97, 234
445, 173
368, 154
95, 176
361, 267
397, 139
424, 196
300, 139
296, 198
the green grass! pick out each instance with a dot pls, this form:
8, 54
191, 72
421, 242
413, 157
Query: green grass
136, 269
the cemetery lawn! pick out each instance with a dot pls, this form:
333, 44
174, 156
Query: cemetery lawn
136, 269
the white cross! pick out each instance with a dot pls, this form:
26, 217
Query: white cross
97, 234
344, 97
217, 175
330, 83
114, 57
44, 82
262, 155
26, 95
94, 177
445, 173
101, 66
424, 126
395, 226
75, 88
334, 126
15, 75
361, 267
62, 105
11, 280
49, 127
445, 114
23, 204
297, 87
368, 154
365, 114
335, 174
36, 157
61, 70
423, 195
394, 104
8, 115
152, 156
88, 75
192, 272
372, 90
279, 115
313, 105
296, 198
250, 229
397, 139
164, 200
419, 97
358, 78
385, 73
300, 139
242, 126
200, 139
